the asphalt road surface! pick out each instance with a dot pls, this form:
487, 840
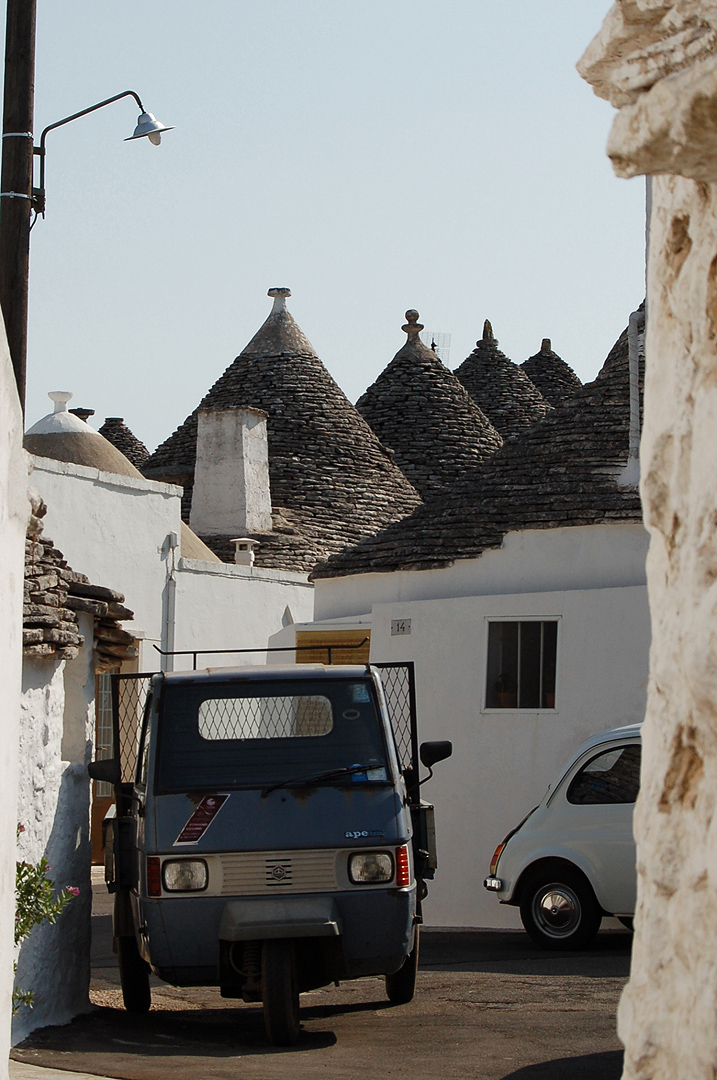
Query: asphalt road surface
489, 1006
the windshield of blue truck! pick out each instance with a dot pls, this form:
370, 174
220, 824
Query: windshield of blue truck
217, 736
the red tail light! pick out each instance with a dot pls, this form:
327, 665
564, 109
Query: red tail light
154, 878
494, 861
403, 867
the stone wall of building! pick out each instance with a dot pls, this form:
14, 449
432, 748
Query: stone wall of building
14, 514
56, 738
656, 61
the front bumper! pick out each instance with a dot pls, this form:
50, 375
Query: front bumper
493, 884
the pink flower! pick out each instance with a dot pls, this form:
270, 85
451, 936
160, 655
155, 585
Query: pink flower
73, 889
21, 828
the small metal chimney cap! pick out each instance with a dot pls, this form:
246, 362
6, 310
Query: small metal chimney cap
244, 550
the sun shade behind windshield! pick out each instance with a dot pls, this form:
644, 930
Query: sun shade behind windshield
222, 735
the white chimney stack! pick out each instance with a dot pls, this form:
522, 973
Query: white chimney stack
231, 477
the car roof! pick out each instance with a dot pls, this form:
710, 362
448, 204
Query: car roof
628, 731
269, 672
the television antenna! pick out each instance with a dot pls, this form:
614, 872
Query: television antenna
440, 343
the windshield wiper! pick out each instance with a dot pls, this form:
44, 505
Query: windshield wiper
317, 778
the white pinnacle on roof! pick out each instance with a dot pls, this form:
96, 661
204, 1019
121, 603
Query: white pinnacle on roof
61, 420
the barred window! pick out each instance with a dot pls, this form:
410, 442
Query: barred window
521, 664
265, 717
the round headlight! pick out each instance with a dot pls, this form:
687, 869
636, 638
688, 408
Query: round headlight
185, 875
371, 867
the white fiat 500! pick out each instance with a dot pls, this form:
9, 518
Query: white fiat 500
571, 861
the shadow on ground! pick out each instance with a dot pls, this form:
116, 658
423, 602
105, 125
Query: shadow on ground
513, 953
606, 1066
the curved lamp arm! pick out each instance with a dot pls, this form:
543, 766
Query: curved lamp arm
38, 193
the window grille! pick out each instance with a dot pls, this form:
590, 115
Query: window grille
521, 666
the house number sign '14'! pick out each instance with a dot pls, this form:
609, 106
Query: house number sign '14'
400, 626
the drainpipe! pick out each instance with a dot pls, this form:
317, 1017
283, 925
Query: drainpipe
170, 603
630, 475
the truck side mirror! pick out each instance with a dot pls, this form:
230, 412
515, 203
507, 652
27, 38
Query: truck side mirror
107, 770
431, 752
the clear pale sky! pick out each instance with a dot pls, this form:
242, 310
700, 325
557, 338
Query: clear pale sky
372, 156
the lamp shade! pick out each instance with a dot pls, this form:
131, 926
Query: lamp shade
147, 124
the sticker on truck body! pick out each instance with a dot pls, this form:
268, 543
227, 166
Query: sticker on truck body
207, 809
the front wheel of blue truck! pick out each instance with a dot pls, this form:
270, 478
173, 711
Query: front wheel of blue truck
280, 992
401, 986
134, 976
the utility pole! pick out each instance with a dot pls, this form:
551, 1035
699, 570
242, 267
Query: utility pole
16, 180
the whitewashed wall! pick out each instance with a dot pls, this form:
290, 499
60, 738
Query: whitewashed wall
584, 557
56, 733
115, 529
14, 514
593, 579
503, 759
235, 607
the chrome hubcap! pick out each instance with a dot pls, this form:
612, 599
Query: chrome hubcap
557, 910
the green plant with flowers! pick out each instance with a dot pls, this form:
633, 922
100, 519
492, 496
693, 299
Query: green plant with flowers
35, 903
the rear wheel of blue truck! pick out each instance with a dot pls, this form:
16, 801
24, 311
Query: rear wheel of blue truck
401, 986
134, 976
280, 992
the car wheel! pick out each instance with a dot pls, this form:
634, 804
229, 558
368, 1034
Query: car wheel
401, 986
559, 910
134, 976
280, 992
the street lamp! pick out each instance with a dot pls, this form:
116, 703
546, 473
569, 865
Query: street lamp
147, 127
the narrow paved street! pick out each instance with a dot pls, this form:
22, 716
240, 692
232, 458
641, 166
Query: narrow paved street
490, 1006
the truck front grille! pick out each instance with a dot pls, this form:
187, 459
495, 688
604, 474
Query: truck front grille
258, 873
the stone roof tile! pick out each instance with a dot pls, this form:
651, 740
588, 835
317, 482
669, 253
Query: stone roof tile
555, 379
501, 389
560, 472
419, 409
331, 480
116, 432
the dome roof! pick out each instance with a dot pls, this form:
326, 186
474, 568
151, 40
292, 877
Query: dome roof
420, 410
504, 392
331, 480
63, 436
555, 379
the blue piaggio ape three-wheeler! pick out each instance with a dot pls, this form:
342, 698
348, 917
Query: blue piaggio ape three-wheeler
270, 840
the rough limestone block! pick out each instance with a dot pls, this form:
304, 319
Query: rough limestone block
668, 125
668, 1014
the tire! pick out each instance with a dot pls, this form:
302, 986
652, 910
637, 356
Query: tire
559, 910
134, 976
280, 992
401, 986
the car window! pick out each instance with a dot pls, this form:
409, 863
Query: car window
610, 777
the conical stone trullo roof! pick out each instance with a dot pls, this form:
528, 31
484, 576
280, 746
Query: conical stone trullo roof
420, 410
555, 379
116, 431
331, 480
504, 392
561, 472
